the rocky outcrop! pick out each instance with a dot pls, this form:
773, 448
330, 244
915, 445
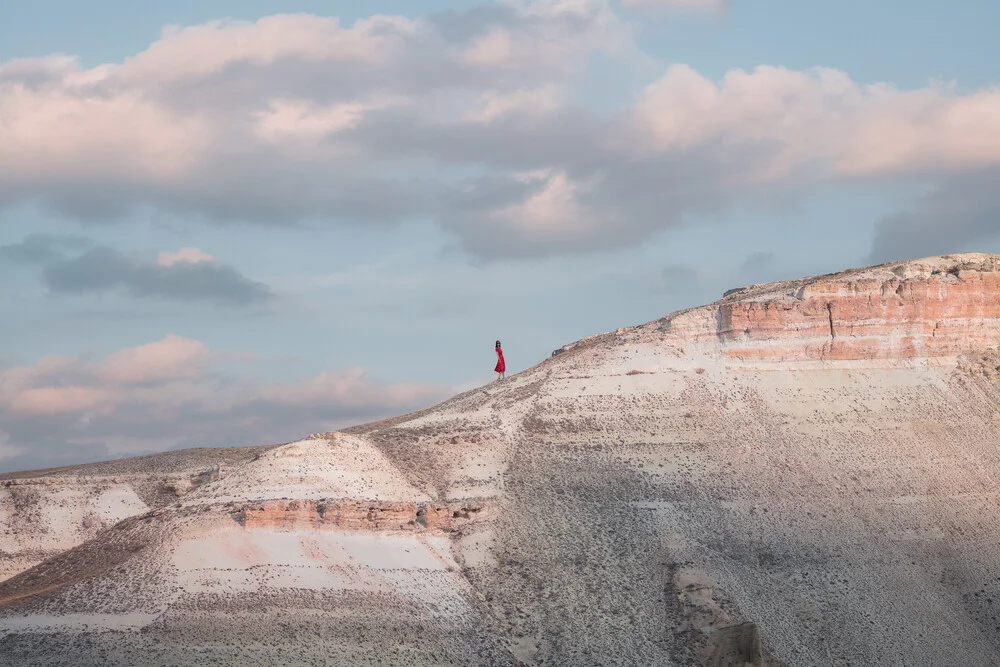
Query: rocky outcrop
356, 515
931, 308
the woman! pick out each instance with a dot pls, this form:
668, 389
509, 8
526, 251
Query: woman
501, 366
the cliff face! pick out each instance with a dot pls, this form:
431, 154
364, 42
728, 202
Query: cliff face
802, 473
924, 309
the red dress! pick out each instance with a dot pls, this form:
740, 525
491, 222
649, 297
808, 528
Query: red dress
501, 366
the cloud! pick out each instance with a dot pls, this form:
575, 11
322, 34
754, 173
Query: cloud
494, 105
210, 118
472, 119
713, 6
276, 121
172, 358
757, 261
184, 255
61, 400
823, 121
41, 248
171, 393
956, 216
187, 275
349, 389
551, 213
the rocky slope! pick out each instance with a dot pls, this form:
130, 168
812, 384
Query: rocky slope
802, 473
45, 512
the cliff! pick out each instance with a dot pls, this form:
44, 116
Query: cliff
802, 473
930, 308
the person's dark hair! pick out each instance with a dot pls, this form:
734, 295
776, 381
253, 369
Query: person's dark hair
498, 344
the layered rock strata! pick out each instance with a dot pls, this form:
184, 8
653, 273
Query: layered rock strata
358, 515
939, 307
803, 473
46, 512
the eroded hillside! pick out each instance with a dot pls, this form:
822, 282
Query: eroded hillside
45, 512
802, 473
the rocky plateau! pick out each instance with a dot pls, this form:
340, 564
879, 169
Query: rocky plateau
802, 473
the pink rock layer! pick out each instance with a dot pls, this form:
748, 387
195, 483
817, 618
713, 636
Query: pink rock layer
354, 515
892, 312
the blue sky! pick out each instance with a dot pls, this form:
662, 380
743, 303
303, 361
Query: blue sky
262, 223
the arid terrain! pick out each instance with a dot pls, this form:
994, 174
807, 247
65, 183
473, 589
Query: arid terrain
803, 473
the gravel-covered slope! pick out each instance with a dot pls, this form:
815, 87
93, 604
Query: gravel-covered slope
652, 496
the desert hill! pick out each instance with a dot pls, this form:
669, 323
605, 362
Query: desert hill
802, 473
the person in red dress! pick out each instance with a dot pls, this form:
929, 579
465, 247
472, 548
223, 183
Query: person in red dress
501, 366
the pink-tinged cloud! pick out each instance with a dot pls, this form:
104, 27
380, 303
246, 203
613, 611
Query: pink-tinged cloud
299, 117
193, 53
822, 119
351, 388
226, 118
155, 396
716, 6
290, 121
43, 401
531, 102
558, 35
48, 369
78, 123
553, 210
184, 256
172, 358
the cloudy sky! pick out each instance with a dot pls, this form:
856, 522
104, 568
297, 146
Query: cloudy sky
233, 222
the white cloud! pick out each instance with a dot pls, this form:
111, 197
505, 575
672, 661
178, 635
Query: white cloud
349, 388
680, 5
65, 122
192, 53
172, 358
184, 256
302, 120
59, 384
498, 105
257, 119
495, 48
298, 117
41, 401
552, 210
172, 370
822, 118
549, 35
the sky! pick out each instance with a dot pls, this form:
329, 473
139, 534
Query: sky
229, 223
